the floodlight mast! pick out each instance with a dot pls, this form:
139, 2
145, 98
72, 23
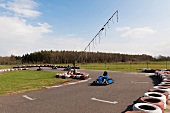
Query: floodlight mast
104, 27
98, 34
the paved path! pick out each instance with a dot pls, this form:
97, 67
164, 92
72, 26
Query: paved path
81, 98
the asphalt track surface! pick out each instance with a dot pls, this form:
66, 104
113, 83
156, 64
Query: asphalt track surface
82, 97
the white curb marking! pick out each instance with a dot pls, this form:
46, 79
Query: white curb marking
114, 102
27, 97
69, 83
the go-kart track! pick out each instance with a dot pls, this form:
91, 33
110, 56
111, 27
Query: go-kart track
81, 97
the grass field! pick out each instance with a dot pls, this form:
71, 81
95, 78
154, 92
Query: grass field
22, 81
117, 66
5, 66
27, 80
126, 67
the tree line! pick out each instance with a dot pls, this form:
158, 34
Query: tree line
66, 57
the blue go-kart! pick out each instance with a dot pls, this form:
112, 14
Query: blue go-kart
101, 81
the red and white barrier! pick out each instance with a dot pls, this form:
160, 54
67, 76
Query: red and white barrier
77, 75
13, 69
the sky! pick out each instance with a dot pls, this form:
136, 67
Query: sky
28, 26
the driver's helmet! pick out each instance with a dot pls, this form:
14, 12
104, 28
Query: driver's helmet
105, 73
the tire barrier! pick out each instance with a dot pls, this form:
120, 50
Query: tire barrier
63, 75
48, 65
147, 108
77, 75
164, 85
153, 101
148, 70
163, 89
7, 70
166, 80
160, 91
157, 96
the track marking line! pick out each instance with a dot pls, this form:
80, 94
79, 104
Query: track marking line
67, 84
27, 97
114, 102
139, 82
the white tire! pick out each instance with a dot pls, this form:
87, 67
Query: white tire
156, 95
165, 77
147, 108
165, 80
67, 76
163, 88
165, 83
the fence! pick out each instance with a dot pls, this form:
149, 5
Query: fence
126, 65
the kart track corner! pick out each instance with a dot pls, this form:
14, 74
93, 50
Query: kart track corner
79, 96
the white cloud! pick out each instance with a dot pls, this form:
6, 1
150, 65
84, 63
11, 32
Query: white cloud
3, 5
44, 28
63, 43
22, 8
17, 35
138, 32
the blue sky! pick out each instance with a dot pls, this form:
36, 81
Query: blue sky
33, 25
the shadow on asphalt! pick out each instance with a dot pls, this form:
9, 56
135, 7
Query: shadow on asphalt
130, 107
91, 84
155, 81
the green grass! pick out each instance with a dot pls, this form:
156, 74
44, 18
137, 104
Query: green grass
27, 80
5, 66
125, 66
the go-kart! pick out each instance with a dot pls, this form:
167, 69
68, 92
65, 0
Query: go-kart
100, 81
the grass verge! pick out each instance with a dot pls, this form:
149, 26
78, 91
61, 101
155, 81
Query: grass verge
27, 80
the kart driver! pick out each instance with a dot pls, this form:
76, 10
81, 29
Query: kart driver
105, 76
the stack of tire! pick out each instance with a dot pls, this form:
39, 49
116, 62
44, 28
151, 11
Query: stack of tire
156, 99
14, 69
78, 75
63, 75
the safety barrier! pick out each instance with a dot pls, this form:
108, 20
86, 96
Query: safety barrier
47, 65
156, 99
77, 75
12, 69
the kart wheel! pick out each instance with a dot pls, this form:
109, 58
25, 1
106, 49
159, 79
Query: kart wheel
64, 77
94, 82
57, 76
83, 77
